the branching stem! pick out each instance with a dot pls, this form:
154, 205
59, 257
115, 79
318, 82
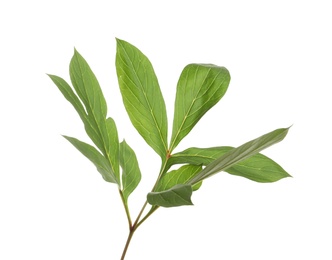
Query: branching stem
139, 221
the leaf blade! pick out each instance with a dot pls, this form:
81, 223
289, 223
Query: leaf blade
178, 195
240, 153
178, 176
102, 131
131, 174
95, 157
199, 88
112, 147
142, 96
258, 167
70, 95
87, 88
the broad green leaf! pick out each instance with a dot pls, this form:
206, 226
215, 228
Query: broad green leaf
240, 153
178, 195
69, 94
179, 176
199, 88
131, 174
141, 95
96, 158
258, 167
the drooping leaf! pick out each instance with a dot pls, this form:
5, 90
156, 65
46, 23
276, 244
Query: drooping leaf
258, 167
141, 95
178, 195
199, 88
240, 153
178, 176
96, 158
131, 174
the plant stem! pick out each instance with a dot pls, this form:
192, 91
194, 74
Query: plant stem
131, 233
137, 223
125, 204
153, 209
132, 230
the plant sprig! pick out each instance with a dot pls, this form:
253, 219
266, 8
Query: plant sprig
199, 88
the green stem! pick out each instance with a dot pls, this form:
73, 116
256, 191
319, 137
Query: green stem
153, 209
137, 223
125, 204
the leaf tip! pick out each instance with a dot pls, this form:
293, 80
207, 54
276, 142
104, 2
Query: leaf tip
118, 41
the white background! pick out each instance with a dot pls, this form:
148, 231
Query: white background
55, 205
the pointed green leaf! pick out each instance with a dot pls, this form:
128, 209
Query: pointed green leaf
69, 94
240, 153
95, 157
89, 91
199, 88
131, 174
178, 195
142, 96
179, 176
258, 167
87, 87
101, 131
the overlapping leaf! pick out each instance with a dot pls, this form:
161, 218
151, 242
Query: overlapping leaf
69, 94
178, 195
240, 153
229, 159
103, 166
258, 167
178, 176
90, 104
142, 96
199, 88
131, 174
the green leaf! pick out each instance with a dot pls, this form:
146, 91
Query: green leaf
69, 94
88, 90
240, 153
131, 174
181, 194
112, 148
142, 96
199, 88
104, 133
178, 195
87, 87
95, 157
179, 176
258, 167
